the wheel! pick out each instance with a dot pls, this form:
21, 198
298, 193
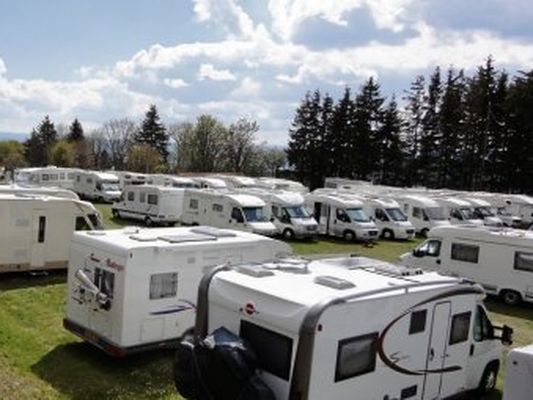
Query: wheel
349, 236
488, 380
424, 232
148, 221
388, 234
288, 234
511, 297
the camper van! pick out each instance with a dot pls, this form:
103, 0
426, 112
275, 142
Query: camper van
287, 212
389, 218
459, 211
50, 176
171, 180
151, 204
341, 215
345, 328
126, 178
135, 289
484, 211
281, 184
518, 382
36, 230
226, 210
520, 206
205, 182
99, 186
424, 213
35, 190
238, 181
501, 260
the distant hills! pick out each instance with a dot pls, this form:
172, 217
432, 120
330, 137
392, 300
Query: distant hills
13, 136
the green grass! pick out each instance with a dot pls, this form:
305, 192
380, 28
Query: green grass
40, 360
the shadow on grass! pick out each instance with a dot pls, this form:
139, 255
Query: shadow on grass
81, 371
22, 280
524, 310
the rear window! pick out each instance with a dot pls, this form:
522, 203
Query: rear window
465, 252
273, 350
152, 199
523, 261
356, 356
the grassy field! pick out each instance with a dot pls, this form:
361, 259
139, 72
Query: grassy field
40, 360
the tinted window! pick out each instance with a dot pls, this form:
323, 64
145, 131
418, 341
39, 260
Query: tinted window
356, 356
142, 197
44, 177
417, 213
273, 350
482, 327
152, 199
42, 229
418, 322
193, 203
236, 214
460, 328
82, 225
163, 285
218, 208
523, 261
465, 252
131, 196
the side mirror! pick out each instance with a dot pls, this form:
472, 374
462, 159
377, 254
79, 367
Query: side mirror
507, 335
418, 253
272, 219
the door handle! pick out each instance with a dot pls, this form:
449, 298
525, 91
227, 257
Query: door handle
431, 354
438, 261
472, 348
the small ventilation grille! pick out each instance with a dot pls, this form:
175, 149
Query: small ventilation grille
334, 282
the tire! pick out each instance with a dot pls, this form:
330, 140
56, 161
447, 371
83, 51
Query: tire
388, 234
288, 234
424, 232
511, 297
488, 380
148, 221
349, 236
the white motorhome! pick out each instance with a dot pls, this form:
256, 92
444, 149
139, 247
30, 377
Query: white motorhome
287, 212
281, 184
520, 206
127, 178
151, 204
350, 328
499, 207
135, 289
226, 210
501, 260
48, 191
423, 212
50, 176
518, 382
389, 218
171, 180
239, 181
341, 215
99, 186
205, 182
36, 230
484, 211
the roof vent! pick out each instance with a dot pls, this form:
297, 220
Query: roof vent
187, 237
141, 238
288, 265
334, 282
254, 271
211, 231
395, 270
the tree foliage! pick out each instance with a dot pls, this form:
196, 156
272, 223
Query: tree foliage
153, 132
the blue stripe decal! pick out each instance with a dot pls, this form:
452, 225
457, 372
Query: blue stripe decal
186, 305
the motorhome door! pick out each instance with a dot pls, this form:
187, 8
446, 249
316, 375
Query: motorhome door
436, 354
39, 237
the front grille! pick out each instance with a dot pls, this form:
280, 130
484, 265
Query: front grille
372, 233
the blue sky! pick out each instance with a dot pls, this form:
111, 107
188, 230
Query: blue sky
98, 59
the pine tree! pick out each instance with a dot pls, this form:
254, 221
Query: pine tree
75, 133
414, 114
328, 135
39, 145
342, 131
153, 133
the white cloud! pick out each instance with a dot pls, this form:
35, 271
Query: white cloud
3, 69
227, 14
209, 72
247, 89
175, 83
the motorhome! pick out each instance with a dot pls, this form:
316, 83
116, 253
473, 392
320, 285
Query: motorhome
518, 382
34, 190
4, 176
287, 212
341, 215
499, 208
127, 178
226, 210
50, 176
151, 204
99, 186
238, 181
423, 212
172, 180
389, 218
501, 260
459, 211
205, 182
346, 328
281, 184
484, 211
520, 206
36, 230
135, 289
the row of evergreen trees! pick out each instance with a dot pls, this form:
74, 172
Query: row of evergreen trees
455, 131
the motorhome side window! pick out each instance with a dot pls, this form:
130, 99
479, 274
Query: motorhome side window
44, 177
465, 252
274, 350
42, 229
142, 197
218, 207
105, 281
460, 328
483, 329
523, 261
430, 248
341, 215
131, 196
82, 225
152, 199
163, 286
380, 215
356, 356
193, 203
417, 212
236, 214
418, 322
89, 180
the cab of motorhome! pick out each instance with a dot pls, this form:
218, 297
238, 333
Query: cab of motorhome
459, 211
100, 186
151, 204
348, 328
135, 289
341, 215
423, 212
501, 260
127, 178
389, 218
484, 211
226, 210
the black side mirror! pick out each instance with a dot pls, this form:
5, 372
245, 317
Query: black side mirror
507, 334
418, 253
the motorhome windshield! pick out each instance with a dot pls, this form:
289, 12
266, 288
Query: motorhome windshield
434, 213
254, 214
396, 214
357, 215
483, 212
296, 212
110, 187
468, 213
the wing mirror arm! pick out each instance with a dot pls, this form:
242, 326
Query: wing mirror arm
85, 282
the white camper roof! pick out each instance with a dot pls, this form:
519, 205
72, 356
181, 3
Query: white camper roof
477, 202
84, 205
305, 283
48, 191
337, 199
212, 182
129, 239
285, 198
514, 237
453, 202
419, 200
157, 188
246, 200
382, 202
